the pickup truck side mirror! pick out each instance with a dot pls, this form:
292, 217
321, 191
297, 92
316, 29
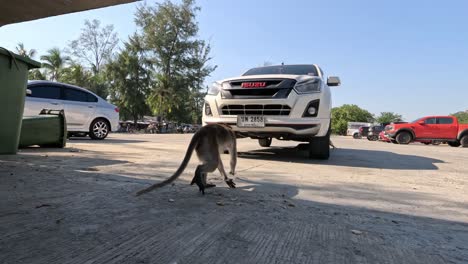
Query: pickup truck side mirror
333, 81
28, 92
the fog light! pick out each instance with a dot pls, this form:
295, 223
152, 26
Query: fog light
208, 110
311, 110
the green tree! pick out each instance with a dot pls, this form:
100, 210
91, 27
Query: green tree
388, 117
169, 34
462, 116
95, 45
21, 50
76, 74
36, 74
54, 62
348, 113
130, 75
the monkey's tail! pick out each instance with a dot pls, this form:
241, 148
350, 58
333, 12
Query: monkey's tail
183, 165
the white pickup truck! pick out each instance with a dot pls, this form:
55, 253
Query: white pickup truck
286, 102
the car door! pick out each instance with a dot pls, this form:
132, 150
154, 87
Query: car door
79, 108
427, 129
447, 127
43, 96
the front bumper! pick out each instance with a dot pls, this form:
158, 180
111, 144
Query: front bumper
274, 125
293, 126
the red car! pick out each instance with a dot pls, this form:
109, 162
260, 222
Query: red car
430, 129
383, 137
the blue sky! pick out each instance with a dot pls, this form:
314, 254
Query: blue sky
409, 57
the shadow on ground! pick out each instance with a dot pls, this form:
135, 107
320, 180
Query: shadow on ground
53, 211
346, 157
108, 140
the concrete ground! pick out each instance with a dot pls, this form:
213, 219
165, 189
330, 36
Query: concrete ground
372, 202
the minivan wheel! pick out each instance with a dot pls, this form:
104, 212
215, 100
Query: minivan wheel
464, 141
99, 129
265, 142
404, 138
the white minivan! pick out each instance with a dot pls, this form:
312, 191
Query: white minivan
85, 112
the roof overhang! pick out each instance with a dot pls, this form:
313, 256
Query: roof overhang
15, 11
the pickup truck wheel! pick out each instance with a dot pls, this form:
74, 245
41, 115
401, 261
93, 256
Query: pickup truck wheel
404, 138
464, 141
319, 147
454, 144
265, 142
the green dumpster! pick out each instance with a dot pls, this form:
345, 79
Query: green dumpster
48, 129
13, 80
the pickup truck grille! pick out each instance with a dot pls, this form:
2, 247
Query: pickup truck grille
269, 109
273, 89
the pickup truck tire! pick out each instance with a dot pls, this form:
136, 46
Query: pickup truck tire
464, 141
319, 147
454, 144
264, 142
404, 138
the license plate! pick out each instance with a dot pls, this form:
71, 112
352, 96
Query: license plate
250, 121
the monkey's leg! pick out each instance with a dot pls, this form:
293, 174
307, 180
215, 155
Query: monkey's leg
228, 181
197, 178
200, 175
207, 185
233, 161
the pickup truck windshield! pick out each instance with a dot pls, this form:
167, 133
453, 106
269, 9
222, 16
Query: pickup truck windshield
284, 69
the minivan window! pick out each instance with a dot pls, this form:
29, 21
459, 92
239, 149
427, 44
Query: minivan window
71, 94
47, 92
445, 120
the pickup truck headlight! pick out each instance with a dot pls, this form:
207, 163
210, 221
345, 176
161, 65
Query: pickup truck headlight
214, 88
309, 86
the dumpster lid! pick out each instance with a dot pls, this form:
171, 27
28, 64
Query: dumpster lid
31, 63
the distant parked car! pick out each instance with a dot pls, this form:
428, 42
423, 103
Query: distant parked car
383, 137
374, 132
363, 131
430, 129
353, 128
85, 112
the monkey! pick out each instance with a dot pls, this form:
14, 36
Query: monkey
208, 142
332, 145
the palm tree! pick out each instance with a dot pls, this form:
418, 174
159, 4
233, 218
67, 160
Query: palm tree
21, 50
54, 62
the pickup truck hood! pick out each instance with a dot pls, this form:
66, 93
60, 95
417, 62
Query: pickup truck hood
298, 78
